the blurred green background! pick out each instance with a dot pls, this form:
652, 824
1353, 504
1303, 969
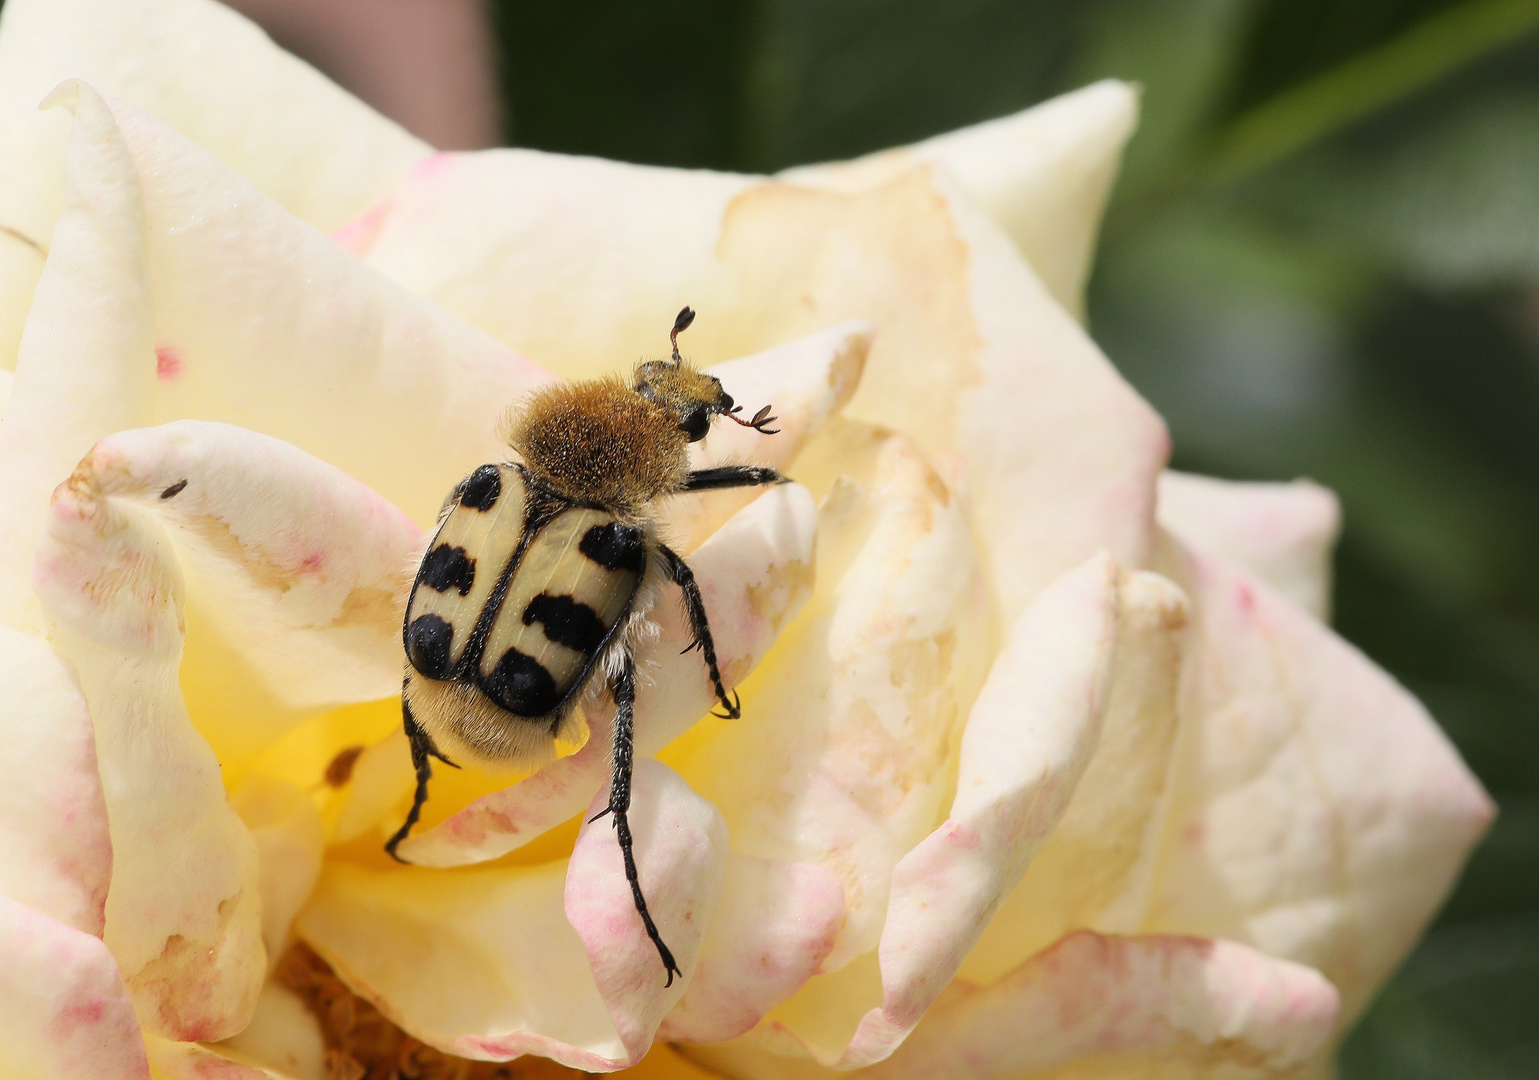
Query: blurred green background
1322, 260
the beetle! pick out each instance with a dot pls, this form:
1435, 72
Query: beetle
537, 582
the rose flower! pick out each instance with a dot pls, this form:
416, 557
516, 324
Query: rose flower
1047, 762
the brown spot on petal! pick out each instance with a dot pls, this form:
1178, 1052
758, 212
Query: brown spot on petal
340, 771
361, 1044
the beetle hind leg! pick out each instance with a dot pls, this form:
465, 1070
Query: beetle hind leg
620, 803
423, 750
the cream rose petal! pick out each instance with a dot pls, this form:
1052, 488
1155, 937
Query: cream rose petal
1282, 533
1031, 731
294, 567
775, 925
63, 1009
480, 962
1095, 867
1043, 174
1197, 1001
551, 960
754, 574
194, 1061
842, 756
682, 841
287, 832
55, 852
1318, 812
284, 1035
286, 334
182, 914
85, 365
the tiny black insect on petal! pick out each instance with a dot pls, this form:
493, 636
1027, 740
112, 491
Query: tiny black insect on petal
482, 488
428, 640
614, 546
520, 684
567, 622
446, 568
174, 490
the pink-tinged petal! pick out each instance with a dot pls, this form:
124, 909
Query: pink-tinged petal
55, 853
774, 926
85, 364
1028, 739
63, 1009
1096, 866
480, 962
681, 854
287, 832
805, 382
293, 567
183, 907
841, 756
287, 334
283, 1035
1282, 533
194, 1061
1187, 999
1318, 812
755, 572
1043, 174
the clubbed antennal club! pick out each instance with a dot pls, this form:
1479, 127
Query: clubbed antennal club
680, 324
760, 418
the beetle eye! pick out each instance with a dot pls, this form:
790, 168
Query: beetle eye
696, 423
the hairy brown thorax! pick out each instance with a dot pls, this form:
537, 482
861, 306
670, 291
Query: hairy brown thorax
599, 441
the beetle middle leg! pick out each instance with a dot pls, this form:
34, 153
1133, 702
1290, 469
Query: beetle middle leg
423, 749
620, 801
694, 604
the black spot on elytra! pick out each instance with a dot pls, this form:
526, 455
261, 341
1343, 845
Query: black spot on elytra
428, 640
174, 490
520, 684
482, 488
567, 622
614, 546
446, 568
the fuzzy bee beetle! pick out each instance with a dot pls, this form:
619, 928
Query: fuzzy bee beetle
540, 575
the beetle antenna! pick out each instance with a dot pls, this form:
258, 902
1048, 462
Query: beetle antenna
760, 418
680, 324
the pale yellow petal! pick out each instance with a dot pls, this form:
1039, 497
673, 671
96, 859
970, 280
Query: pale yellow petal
1094, 869
63, 1009
283, 1037
193, 1061
295, 574
55, 851
183, 917
681, 857
1029, 736
1282, 533
86, 365
1043, 174
286, 829
774, 927
1318, 812
842, 757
